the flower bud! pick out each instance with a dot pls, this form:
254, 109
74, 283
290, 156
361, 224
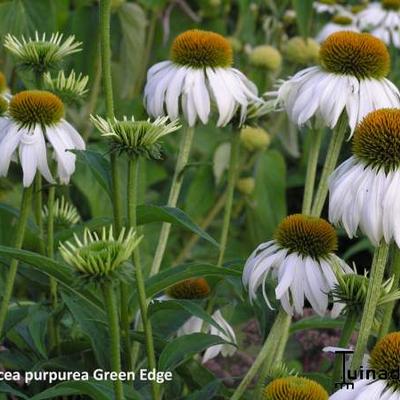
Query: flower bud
254, 139
246, 185
265, 57
301, 51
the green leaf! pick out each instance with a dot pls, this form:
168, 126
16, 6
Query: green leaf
208, 392
149, 213
99, 166
182, 348
133, 23
316, 322
304, 12
37, 327
5, 388
170, 276
93, 324
190, 306
58, 270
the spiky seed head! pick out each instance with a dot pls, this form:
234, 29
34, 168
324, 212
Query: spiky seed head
376, 140
136, 138
308, 236
196, 288
65, 214
99, 256
357, 54
32, 107
71, 89
294, 388
200, 49
266, 57
41, 53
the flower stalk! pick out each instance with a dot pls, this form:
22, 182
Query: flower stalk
230, 191
19, 239
332, 157
312, 161
133, 178
389, 307
374, 288
176, 185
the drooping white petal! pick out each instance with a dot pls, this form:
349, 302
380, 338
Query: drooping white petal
8, 145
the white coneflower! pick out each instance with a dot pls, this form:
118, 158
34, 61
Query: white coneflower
384, 360
198, 75
364, 190
41, 53
302, 259
99, 255
136, 137
33, 117
327, 6
342, 22
196, 325
294, 388
351, 78
382, 19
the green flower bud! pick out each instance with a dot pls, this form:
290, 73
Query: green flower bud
246, 186
301, 51
265, 57
254, 139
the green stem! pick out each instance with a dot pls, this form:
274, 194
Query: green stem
348, 329
312, 162
332, 157
280, 336
230, 190
113, 325
54, 334
265, 352
183, 156
19, 239
133, 179
38, 206
389, 307
374, 288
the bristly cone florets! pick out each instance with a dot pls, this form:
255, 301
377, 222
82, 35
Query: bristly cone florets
386, 357
391, 4
71, 89
32, 107
200, 49
41, 54
359, 54
377, 139
308, 236
294, 388
196, 288
136, 138
351, 291
65, 214
97, 257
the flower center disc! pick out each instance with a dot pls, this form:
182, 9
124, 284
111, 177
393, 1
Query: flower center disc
391, 4
294, 388
359, 54
308, 236
377, 139
36, 107
200, 49
342, 20
386, 357
190, 289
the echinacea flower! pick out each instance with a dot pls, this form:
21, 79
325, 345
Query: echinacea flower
41, 53
294, 388
364, 190
342, 22
34, 116
351, 78
65, 213
196, 325
195, 288
198, 76
382, 385
382, 19
302, 259
99, 255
